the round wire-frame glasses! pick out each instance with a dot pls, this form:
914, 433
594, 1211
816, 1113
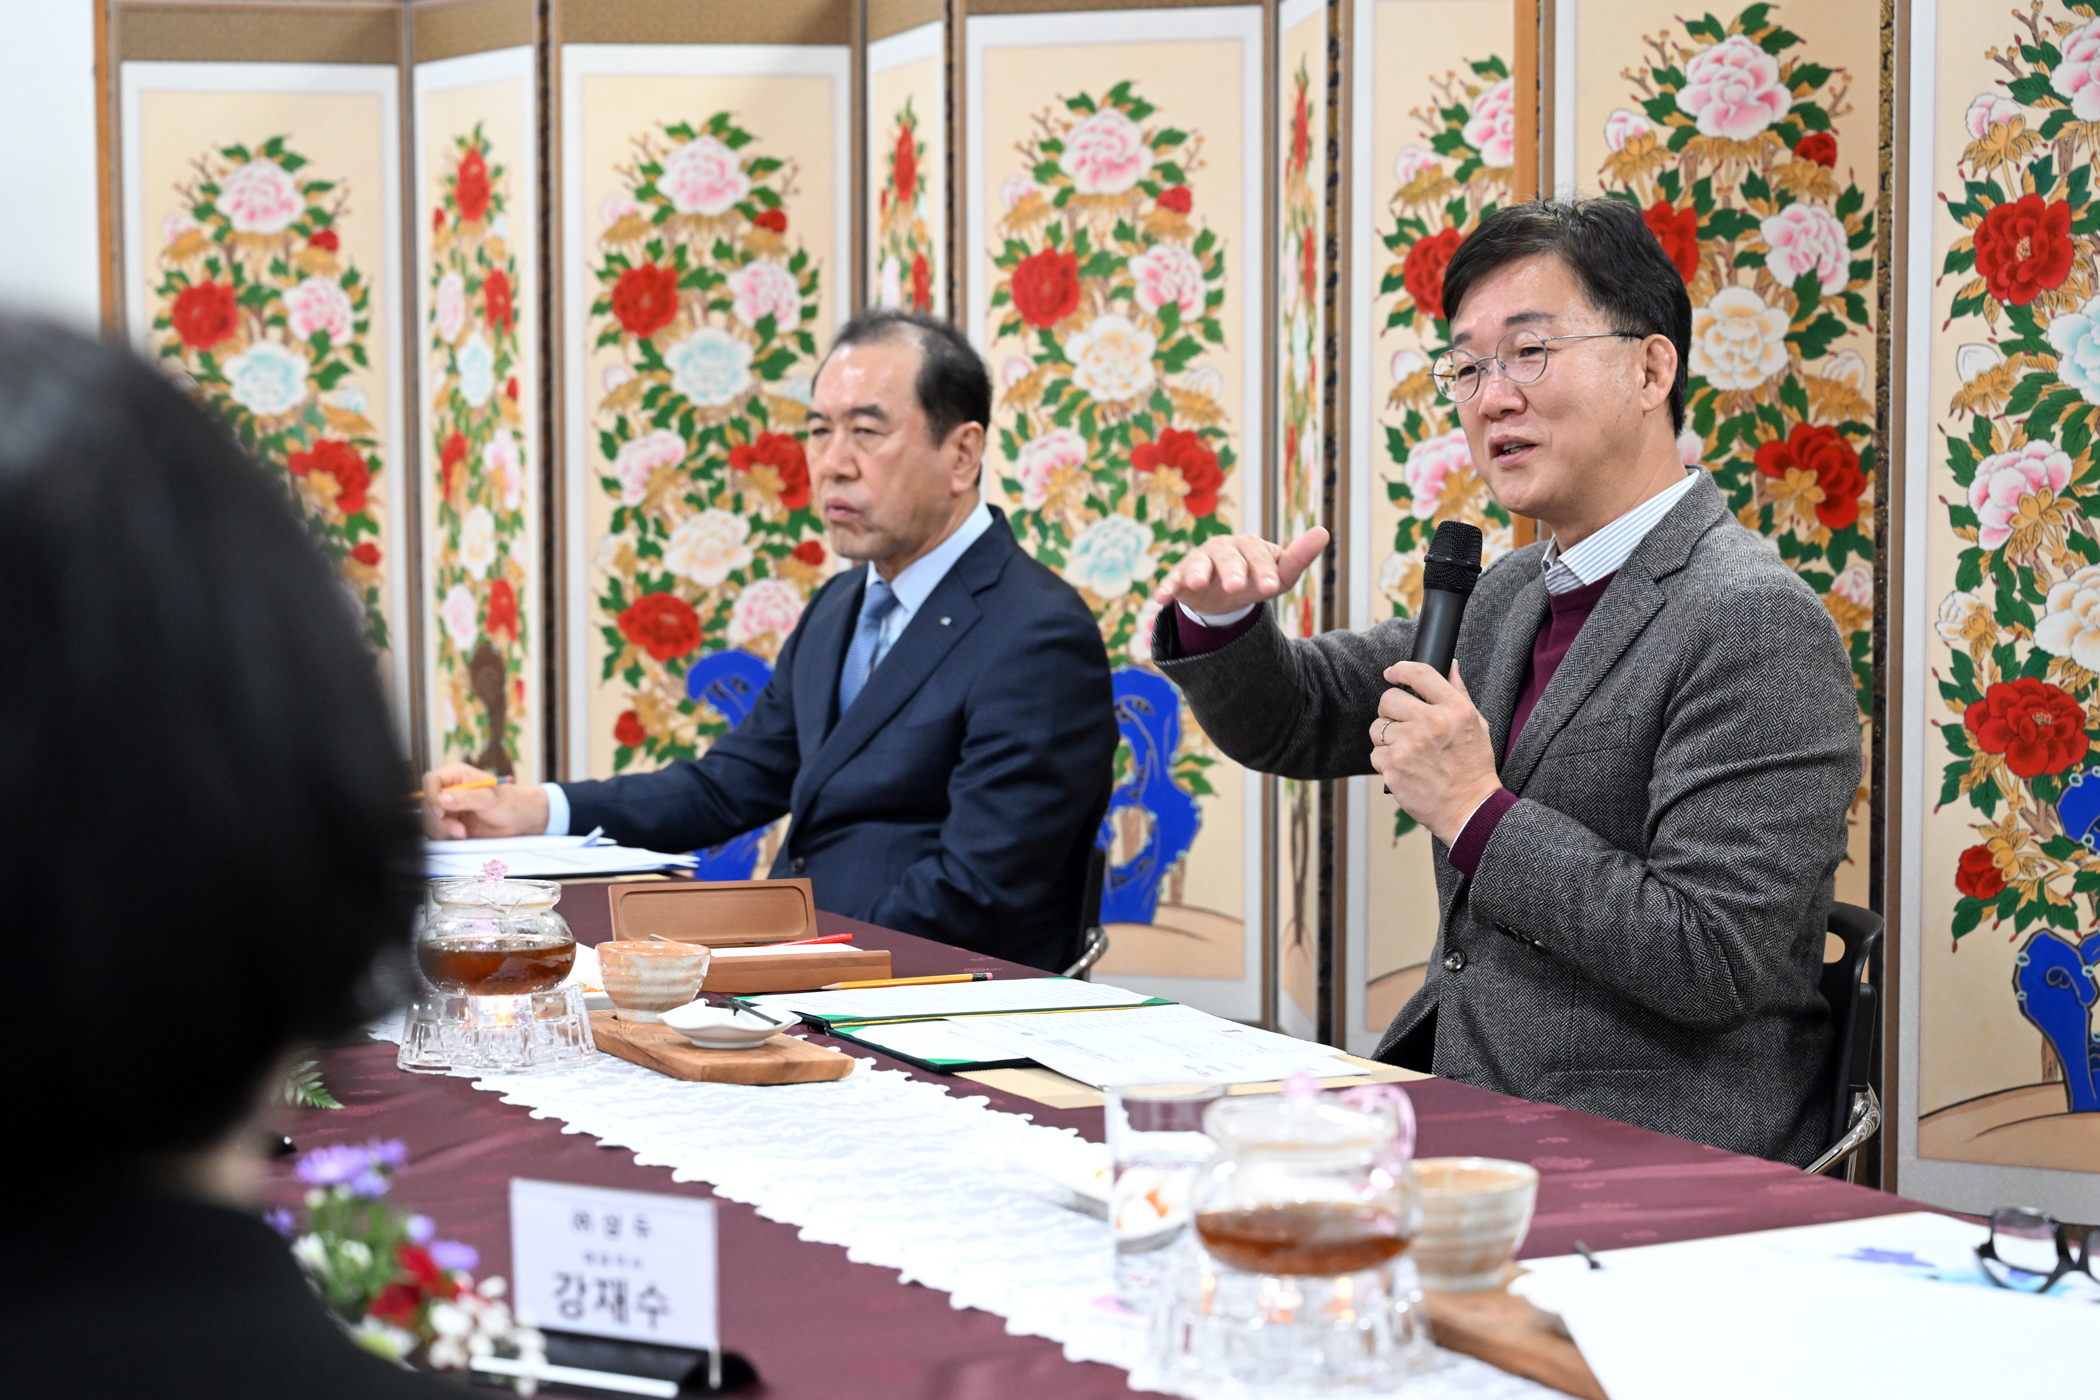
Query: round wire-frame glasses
1458, 374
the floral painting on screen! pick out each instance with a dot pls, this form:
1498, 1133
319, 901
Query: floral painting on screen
906, 272
264, 319
710, 300
480, 462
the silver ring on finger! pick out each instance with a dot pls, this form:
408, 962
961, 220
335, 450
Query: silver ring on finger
1383, 726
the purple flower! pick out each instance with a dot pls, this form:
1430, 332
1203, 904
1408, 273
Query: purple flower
370, 1183
392, 1152
281, 1220
331, 1165
420, 1229
451, 1254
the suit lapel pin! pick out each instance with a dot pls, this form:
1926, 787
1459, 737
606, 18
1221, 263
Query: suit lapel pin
944, 622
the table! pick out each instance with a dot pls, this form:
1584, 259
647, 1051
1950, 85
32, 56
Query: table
819, 1327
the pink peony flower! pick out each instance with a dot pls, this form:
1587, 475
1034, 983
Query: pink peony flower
1732, 90
1623, 125
1491, 129
1168, 272
1856, 583
1016, 189
318, 304
703, 177
2005, 479
1690, 447
1430, 463
1105, 154
2077, 78
451, 309
1987, 111
1807, 238
765, 605
261, 197
764, 289
617, 207
639, 459
501, 462
1139, 649
1060, 447
176, 225
461, 616
1412, 161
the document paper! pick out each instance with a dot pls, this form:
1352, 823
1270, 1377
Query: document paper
1156, 1045
948, 999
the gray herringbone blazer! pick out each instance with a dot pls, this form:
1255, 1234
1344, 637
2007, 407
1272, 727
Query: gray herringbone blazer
1643, 936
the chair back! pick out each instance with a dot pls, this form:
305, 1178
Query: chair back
1852, 987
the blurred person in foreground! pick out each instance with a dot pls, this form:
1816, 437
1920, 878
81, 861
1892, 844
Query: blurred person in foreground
940, 723
207, 861
1638, 773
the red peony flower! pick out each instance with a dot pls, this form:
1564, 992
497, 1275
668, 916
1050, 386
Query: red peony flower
921, 283
2037, 727
331, 457
661, 625
1825, 452
1046, 286
1312, 269
503, 610
325, 239
496, 297
1978, 875
1301, 131
774, 219
1187, 454
437, 220
472, 191
810, 552
2024, 249
906, 172
450, 456
1818, 146
1177, 199
645, 299
783, 453
510, 388
628, 731
1422, 272
1678, 232
397, 1303
203, 315
366, 554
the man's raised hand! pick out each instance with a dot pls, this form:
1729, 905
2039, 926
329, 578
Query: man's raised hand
1238, 570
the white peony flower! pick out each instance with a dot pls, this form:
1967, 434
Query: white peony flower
763, 289
176, 225
1491, 127
711, 367
448, 713
477, 370
1855, 583
1112, 359
1807, 238
1974, 359
1623, 125
615, 375
1300, 349
319, 304
2004, 479
261, 197
1113, 555
450, 310
640, 458
616, 207
889, 291
1737, 341
1429, 465
1732, 90
1139, 649
351, 398
1392, 577
1847, 367
708, 546
1105, 154
703, 176
765, 605
1406, 364
1060, 447
1018, 188
462, 618
268, 378
1956, 611
2075, 336
2071, 626
799, 388
503, 465
2076, 77
1412, 162
477, 541
1988, 110
1690, 446
1168, 272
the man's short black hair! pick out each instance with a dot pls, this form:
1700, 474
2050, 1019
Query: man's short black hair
1617, 261
953, 386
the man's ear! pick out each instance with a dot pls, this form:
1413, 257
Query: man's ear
1658, 372
964, 450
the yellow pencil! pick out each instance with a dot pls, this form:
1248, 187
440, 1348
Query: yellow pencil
417, 795
907, 981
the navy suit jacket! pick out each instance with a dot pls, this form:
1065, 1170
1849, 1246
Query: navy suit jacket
959, 796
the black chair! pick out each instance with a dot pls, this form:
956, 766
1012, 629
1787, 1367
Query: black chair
1093, 938
1852, 986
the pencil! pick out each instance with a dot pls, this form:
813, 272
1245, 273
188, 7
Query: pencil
417, 795
907, 981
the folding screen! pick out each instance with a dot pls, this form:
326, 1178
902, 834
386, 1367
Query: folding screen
1111, 255
261, 241
906, 135
477, 276
1996, 1099
706, 256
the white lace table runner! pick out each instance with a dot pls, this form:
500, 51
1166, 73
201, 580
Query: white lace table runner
903, 1175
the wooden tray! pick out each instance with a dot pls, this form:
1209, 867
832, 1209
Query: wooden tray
1504, 1330
748, 974
719, 913
781, 1060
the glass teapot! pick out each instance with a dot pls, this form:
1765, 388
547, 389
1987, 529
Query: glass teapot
495, 937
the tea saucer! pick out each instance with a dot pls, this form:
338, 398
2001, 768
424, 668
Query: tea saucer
721, 1027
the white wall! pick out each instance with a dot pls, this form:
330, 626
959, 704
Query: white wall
49, 259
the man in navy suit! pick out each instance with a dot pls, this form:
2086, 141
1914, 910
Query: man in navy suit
940, 724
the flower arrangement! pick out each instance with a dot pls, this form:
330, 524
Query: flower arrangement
712, 541
2025, 658
1116, 443
398, 1291
908, 246
478, 441
265, 319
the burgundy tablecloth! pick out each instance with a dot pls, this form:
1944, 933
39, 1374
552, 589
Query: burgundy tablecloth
820, 1327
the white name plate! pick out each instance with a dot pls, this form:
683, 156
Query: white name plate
623, 1264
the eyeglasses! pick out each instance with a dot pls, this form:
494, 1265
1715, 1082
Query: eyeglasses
1458, 374
2030, 1251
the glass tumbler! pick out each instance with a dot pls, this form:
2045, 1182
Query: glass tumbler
1156, 1144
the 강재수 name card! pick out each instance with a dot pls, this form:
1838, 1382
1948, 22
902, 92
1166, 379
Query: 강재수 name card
623, 1264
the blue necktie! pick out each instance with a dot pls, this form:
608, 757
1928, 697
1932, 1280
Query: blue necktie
875, 605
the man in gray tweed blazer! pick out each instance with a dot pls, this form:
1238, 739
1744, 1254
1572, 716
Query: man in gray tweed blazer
1634, 890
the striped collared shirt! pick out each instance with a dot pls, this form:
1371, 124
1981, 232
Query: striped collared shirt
1603, 552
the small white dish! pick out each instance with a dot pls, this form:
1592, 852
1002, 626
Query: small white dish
722, 1027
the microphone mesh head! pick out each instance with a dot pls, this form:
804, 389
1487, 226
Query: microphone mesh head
1453, 565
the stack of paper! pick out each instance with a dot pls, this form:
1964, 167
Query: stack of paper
544, 857
947, 999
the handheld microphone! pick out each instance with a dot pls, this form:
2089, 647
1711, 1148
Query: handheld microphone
1448, 576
